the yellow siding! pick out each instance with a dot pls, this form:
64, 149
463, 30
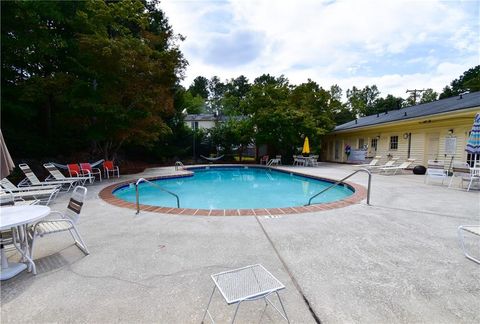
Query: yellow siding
428, 138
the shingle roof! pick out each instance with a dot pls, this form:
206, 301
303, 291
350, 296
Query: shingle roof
200, 117
468, 100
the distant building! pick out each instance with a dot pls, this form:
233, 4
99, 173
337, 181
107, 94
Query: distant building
207, 121
434, 130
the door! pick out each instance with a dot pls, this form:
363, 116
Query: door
337, 150
433, 143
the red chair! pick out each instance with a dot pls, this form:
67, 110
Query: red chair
89, 171
264, 160
109, 167
75, 171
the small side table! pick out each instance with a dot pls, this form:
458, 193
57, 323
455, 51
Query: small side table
246, 284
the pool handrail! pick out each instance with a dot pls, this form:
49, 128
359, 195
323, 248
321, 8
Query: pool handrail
341, 181
155, 185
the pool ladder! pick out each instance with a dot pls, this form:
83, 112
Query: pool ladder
341, 181
179, 165
155, 185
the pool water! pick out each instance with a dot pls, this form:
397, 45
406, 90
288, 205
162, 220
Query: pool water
235, 188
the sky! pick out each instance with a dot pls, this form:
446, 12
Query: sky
396, 45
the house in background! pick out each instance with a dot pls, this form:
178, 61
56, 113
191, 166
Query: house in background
201, 121
434, 130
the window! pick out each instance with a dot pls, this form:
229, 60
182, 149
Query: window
471, 159
393, 142
361, 143
194, 125
374, 143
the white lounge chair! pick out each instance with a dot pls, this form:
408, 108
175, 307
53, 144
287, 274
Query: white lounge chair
299, 160
56, 175
471, 229
65, 222
8, 185
436, 170
45, 196
388, 164
32, 180
8, 199
394, 169
372, 163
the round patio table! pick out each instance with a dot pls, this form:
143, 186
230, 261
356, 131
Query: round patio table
17, 219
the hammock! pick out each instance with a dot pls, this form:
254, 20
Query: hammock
212, 159
65, 167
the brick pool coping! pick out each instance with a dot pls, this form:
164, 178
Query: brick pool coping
360, 193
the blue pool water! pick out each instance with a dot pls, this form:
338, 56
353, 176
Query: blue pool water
235, 188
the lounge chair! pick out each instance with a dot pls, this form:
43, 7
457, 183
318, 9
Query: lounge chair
75, 171
394, 169
32, 180
6, 184
372, 163
55, 174
471, 229
45, 196
460, 170
90, 171
66, 222
436, 170
109, 167
8, 199
388, 164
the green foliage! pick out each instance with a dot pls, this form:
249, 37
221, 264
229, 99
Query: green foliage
90, 72
469, 81
428, 96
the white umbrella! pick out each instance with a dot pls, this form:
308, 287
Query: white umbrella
6, 162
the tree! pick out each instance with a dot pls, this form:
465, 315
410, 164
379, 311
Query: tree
469, 81
199, 87
362, 101
99, 72
428, 96
388, 103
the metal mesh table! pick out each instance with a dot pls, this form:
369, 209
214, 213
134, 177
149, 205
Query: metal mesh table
246, 284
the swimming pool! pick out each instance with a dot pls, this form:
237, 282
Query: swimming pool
235, 188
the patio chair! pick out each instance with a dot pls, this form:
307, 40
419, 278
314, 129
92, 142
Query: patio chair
8, 199
471, 229
394, 169
264, 159
436, 170
298, 160
109, 167
75, 171
372, 163
55, 174
90, 171
474, 176
65, 222
32, 180
460, 170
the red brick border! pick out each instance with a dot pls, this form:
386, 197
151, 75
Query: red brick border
359, 194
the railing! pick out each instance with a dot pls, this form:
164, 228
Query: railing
179, 165
155, 185
341, 181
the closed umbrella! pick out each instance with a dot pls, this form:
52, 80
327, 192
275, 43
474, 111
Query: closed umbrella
473, 143
306, 146
6, 163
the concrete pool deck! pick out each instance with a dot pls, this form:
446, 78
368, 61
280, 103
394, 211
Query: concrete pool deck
397, 260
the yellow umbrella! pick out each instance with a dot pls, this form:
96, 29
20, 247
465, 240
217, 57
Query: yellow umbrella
306, 147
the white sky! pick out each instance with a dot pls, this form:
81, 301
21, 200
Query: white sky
391, 43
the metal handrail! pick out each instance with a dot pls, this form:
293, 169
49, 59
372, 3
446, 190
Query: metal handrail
153, 184
341, 181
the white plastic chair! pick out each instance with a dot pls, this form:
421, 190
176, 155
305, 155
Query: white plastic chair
472, 229
460, 170
474, 176
436, 170
66, 221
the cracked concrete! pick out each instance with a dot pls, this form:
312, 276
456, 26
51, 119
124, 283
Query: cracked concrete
395, 261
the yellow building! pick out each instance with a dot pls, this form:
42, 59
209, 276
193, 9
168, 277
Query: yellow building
435, 130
